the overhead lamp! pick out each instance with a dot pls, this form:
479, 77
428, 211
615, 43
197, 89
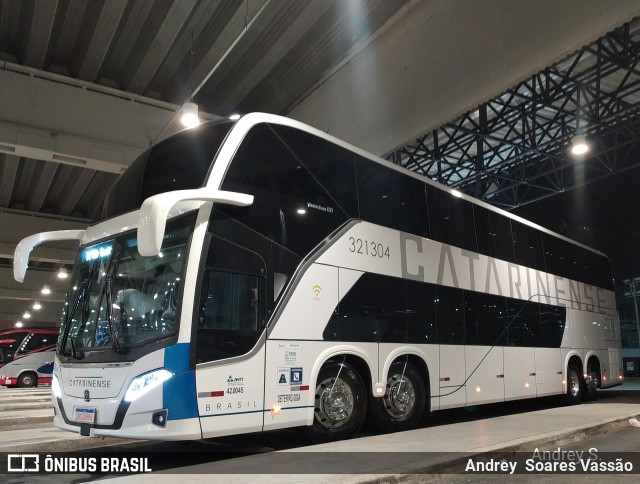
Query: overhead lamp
189, 117
37, 306
579, 145
46, 290
19, 324
26, 315
62, 273
234, 117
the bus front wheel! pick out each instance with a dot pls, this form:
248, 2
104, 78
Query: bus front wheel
27, 380
340, 403
403, 404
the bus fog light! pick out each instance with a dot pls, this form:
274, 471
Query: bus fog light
159, 418
146, 382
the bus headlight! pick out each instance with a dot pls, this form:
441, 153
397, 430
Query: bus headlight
143, 383
55, 387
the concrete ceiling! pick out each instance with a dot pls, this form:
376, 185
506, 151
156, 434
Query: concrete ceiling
85, 86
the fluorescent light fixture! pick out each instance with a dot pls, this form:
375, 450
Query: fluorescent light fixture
46, 290
234, 117
189, 116
37, 306
579, 145
62, 273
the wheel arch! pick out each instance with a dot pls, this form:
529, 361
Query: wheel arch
352, 355
417, 359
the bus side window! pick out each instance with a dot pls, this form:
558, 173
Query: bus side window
231, 316
229, 321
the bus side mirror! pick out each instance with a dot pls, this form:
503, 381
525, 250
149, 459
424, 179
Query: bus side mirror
26, 245
155, 210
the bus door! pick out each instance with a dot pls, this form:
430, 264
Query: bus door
230, 350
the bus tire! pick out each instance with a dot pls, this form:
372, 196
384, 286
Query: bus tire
27, 380
340, 405
574, 385
592, 381
403, 404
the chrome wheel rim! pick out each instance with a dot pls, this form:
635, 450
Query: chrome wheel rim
334, 403
27, 380
400, 399
574, 385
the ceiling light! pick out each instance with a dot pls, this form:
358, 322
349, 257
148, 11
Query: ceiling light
234, 117
62, 273
37, 306
26, 315
579, 145
46, 290
302, 211
19, 324
456, 193
189, 116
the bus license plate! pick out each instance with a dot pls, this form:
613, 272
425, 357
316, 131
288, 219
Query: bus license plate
84, 414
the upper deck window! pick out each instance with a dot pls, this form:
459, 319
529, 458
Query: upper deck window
180, 162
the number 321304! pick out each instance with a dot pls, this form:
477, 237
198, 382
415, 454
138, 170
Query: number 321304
368, 247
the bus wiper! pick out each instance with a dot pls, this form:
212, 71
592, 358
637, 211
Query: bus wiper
81, 295
115, 343
76, 355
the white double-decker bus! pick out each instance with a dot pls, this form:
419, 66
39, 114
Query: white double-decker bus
260, 274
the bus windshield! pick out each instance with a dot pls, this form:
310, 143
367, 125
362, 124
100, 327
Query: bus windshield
118, 299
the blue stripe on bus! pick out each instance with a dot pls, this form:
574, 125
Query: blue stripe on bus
179, 391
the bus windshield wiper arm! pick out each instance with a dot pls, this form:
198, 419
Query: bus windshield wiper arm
81, 295
115, 343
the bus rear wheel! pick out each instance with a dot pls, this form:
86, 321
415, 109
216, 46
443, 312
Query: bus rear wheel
574, 385
403, 404
340, 403
592, 381
27, 380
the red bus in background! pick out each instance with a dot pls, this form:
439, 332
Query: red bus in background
16, 344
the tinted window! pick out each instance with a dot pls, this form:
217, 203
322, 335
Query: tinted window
485, 319
36, 341
558, 256
364, 308
450, 315
451, 219
290, 206
527, 246
330, 164
177, 163
524, 323
11, 343
552, 324
493, 232
390, 198
231, 313
281, 262
420, 312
